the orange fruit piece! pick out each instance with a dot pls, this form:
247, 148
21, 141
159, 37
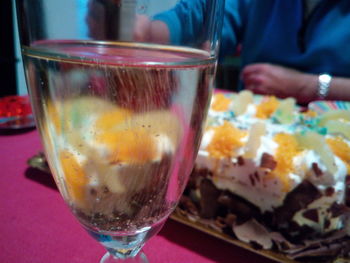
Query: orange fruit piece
132, 146
54, 117
126, 141
75, 176
111, 119
129, 146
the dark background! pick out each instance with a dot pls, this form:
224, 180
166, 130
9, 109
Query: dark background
7, 50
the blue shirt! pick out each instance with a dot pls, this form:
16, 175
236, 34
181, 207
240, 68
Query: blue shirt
274, 31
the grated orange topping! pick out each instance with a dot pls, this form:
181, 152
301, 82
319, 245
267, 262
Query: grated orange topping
287, 149
74, 174
267, 107
341, 149
225, 141
220, 103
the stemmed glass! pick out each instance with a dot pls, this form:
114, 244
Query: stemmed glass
120, 112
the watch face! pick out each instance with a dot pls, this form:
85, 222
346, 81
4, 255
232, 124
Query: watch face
325, 78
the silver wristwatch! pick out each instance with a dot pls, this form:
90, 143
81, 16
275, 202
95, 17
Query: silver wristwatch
324, 82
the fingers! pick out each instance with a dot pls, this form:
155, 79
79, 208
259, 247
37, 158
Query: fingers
255, 68
257, 89
254, 80
141, 28
257, 78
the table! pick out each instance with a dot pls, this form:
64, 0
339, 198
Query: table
37, 226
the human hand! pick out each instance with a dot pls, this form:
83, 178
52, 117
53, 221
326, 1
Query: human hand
146, 30
268, 79
142, 28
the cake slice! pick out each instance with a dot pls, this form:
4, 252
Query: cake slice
273, 176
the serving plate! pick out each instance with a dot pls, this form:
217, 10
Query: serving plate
201, 227
17, 122
324, 106
16, 113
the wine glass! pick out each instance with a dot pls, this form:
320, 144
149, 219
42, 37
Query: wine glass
120, 107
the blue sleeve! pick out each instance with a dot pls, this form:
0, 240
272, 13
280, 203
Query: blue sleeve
188, 17
233, 26
184, 21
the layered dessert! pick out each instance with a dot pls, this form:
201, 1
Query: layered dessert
274, 175
112, 165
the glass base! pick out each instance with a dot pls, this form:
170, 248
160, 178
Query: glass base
139, 258
125, 247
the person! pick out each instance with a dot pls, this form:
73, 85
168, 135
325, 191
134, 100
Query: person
289, 48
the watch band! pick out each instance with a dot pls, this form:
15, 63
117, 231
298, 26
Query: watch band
324, 82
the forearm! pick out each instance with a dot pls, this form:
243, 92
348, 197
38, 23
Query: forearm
339, 89
265, 78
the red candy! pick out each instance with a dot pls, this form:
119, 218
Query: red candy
15, 106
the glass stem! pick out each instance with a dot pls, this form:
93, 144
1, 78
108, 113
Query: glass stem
124, 256
125, 253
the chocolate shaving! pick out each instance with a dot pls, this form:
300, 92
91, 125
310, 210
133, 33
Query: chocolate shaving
327, 223
256, 176
312, 215
347, 193
252, 180
230, 214
209, 196
335, 244
238, 206
267, 161
230, 219
324, 253
220, 222
318, 172
253, 231
329, 191
187, 204
240, 161
282, 243
338, 209
93, 192
295, 201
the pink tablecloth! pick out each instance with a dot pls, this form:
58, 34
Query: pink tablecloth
36, 226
